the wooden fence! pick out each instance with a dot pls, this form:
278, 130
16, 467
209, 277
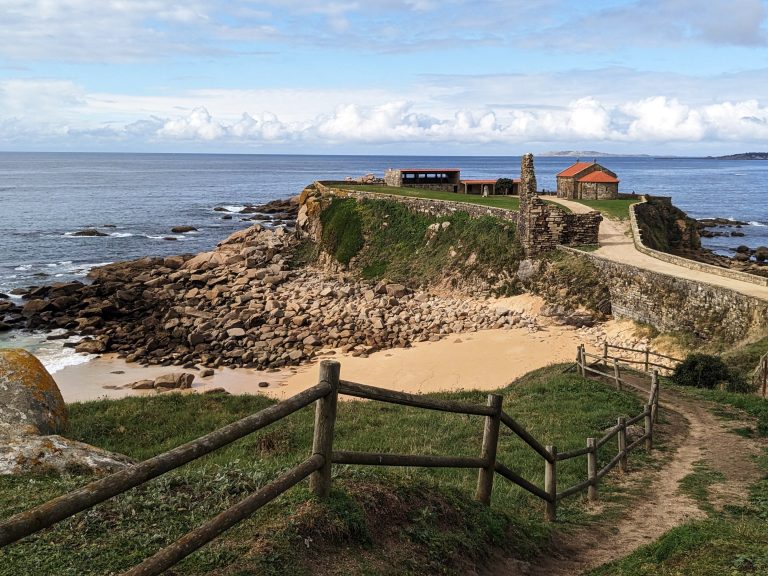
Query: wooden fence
760, 375
318, 465
665, 363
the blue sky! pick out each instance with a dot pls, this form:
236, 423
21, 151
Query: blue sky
384, 76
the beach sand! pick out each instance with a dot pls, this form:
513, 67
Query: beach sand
484, 360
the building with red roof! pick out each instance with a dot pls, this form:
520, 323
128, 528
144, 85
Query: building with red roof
587, 181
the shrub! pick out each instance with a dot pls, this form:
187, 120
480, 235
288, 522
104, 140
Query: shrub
707, 371
342, 230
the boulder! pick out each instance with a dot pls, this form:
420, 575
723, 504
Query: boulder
30, 401
97, 346
89, 232
183, 229
44, 454
142, 385
181, 380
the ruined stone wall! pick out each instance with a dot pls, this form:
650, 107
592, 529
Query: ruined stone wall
393, 178
543, 226
669, 303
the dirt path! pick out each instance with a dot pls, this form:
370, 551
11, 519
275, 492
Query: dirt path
691, 434
616, 244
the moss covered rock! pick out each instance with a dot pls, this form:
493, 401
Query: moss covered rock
30, 401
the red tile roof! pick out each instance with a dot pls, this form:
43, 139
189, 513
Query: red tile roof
575, 168
598, 176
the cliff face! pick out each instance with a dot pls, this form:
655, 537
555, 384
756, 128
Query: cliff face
666, 228
414, 242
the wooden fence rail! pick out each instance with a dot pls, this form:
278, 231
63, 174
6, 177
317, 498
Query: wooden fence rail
646, 362
318, 465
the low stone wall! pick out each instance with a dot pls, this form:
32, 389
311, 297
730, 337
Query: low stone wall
685, 262
670, 303
434, 208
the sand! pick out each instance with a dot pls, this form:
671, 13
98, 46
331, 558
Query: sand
484, 360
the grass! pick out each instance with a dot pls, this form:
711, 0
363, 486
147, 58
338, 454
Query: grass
743, 359
616, 209
390, 241
378, 521
508, 202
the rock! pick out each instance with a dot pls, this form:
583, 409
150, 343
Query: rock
53, 453
34, 307
181, 380
30, 401
89, 232
396, 290
207, 373
183, 229
263, 384
215, 391
142, 385
235, 332
743, 249
96, 346
761, 253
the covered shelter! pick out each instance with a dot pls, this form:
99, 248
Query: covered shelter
447, 179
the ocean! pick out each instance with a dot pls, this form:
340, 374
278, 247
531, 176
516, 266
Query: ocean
135, 199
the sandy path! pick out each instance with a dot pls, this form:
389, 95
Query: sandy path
692, 435
616, 244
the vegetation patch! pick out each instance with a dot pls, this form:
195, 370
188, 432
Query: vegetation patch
666, 228
708, 371
617, 209
378, 521
389, 241
507, 202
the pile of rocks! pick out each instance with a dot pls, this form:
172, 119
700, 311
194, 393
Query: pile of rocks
243, 305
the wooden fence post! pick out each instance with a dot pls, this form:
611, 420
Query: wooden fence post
617, 374
622, 422
605, 353
592, 470
765, 373
488, 454
648, 428
325, 420
550, 485
647, 358
583, 355
655, 396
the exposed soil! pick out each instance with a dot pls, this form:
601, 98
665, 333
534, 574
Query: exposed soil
691, 433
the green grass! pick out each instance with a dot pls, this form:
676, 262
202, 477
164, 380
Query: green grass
697, 483
744, 359
390, 241
508, 202
617, 209
379, 521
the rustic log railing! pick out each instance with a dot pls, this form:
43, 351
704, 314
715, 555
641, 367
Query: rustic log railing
649, 357
318, 465
760, 375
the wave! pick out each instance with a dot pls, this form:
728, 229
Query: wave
758, 224
234, 208
121, 234
52, 353
23, 268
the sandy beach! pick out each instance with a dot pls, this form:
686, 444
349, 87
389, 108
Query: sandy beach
484, 360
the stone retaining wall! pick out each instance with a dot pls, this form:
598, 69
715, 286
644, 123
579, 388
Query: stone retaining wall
670, 303
685, 262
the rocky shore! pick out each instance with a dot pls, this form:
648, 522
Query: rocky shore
243, 304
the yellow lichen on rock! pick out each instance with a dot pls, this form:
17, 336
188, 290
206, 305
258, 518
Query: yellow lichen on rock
30, 400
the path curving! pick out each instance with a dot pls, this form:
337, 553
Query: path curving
692, 434
616, 244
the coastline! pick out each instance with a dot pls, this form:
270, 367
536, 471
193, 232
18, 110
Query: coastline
482, 360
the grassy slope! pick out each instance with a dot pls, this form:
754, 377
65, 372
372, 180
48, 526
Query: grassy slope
388, 521
390, 241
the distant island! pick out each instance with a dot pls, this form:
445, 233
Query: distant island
742, 156
588, 154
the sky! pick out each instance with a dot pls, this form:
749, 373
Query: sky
497, 77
